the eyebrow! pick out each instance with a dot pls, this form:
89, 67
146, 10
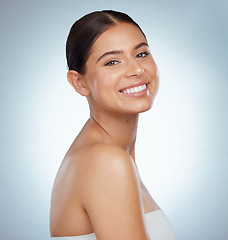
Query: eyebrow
115, 52
141, 44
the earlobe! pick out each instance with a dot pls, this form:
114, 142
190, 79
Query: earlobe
77, 81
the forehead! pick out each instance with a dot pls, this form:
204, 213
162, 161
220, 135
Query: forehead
121, 36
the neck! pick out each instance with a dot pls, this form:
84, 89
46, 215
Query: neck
117, 129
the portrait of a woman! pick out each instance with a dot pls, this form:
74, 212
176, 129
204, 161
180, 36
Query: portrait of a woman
98, 193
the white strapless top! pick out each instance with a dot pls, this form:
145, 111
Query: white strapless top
157, 225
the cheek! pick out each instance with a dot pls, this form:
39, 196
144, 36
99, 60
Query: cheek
153, 73
152, 68
101, 85
109, 79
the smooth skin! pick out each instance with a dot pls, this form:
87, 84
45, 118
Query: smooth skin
98, 188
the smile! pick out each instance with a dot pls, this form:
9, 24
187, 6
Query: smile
134, 89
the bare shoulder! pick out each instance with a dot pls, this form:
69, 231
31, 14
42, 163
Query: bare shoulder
107, 166
106, 154
99, 157
103, 161
93, 163
103, 182
111, 194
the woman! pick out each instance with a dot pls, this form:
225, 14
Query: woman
98, 193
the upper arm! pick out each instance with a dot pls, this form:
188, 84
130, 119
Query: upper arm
112, 196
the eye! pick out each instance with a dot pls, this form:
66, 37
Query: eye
142, 54
111, 63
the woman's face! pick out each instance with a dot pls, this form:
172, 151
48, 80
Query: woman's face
120, 72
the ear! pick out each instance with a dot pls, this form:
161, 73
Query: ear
78, 82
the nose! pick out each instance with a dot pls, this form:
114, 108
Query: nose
133, 68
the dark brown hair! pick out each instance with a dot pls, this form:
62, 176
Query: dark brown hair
84, 33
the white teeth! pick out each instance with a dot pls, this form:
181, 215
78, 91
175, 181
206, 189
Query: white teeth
140, 88
134, 89
144, 87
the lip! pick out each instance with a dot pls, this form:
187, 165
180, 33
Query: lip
135, 94
136, 84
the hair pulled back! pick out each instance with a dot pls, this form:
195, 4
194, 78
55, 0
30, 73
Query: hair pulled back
84, 33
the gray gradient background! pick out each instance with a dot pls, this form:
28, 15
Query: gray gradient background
182, 142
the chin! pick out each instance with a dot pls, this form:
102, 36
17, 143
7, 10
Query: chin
146, 109
142, 108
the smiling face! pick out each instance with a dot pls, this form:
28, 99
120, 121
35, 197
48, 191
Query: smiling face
121, 74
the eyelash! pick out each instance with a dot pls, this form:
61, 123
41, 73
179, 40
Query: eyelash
142, 53
139, 55
111, 63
